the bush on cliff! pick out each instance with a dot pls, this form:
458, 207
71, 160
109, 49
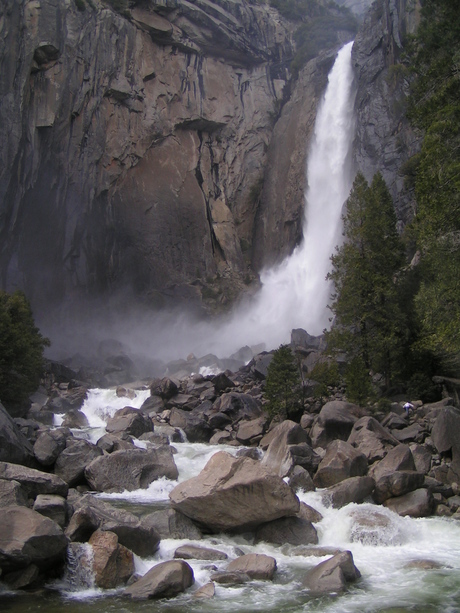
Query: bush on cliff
283, 388
21, 350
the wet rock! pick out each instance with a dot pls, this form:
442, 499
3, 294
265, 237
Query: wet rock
92, 514
289, 446
14, 446
226, 577
33, 481
11, 493
164, 580
194, 552
26, 537
196, 428
75, 419
111, 443
234, 494
424, 565
208, 590
371, 526
130, 469
172, 524
300, 479
354, 489
292, 530
309, 513
129, 421
332, 575
113, 564
418, 503
54, 507
257, 566
72, 461
371, 439
396, 484
340, 462
24, 579
49, 445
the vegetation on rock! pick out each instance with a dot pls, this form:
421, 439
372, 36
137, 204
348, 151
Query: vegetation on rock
21, 349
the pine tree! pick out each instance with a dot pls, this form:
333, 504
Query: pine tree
283, 388
369, 323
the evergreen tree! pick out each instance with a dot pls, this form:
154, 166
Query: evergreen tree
21, 350
283, 388
369, 323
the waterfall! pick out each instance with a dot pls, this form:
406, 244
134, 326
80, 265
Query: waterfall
295, 293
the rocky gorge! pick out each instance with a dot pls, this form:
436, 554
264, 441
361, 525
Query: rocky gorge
378, 466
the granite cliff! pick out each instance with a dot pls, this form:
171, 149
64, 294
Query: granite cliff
161, 151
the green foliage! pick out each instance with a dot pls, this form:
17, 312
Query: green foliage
80, 4
120, 6
370, 323
421, 387
434, 106
358, 382
283, 388
21, 350
327, 375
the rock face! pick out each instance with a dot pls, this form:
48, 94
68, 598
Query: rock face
14, 446
234, 494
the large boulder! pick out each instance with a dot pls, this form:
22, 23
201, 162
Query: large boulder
92, 514
292, 530
12, 493
371, 438
172, 524
14, 446
332, 576
164, 580
335, 421
340, 462
131, 469
418, 503
445, 433
49, 445
71, 463
234, 494
238, 406
113, 564
354, 489
397, 484
398, 458
195, 426
289, 446
255, 565
129, 421
54, 507
33, 481
26, 537
195, 552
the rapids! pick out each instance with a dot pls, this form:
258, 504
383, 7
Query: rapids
391, 553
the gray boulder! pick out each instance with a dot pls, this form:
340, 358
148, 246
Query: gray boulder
335, 421
71, 463
340, 462
172, 524
397, 484
49, 445
52, 506
418, 503
129, 421
249, 430
371, 438
354, 489
289, 446
445, 433
238, 406
164, 580
33, 481
292, 530
256, 566
299, 479
195, 552
195, 426
234, 494
113, 564
422, 458
131, 469
398, 458
26, 537
332, 576
12, 493
14, 446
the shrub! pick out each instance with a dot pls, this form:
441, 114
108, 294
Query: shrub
358, 382
327, 375
21, 350
283, 388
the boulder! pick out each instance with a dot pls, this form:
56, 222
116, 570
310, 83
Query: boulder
12, 493
153, 404
14, 446
33, 481
131, 469
222, 382
309, 513
289, 446
340, 462
26, 537
373, 527
255, 565
226, 577
52, 506
397, 484
234, 494
92, 513
172, 524
196, 428
335, 421
165, 388
164, 580
129, 421
292, 530
194, 552
71, 463
238, 406
445, 433
413, 433
113, 564
418, 503
208, 590
331, 576
393, 421
248, 430
300, 479
354, 489
23, 579
111, 443
398, 458
49, 445
371, 439
75, 419
422, 458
